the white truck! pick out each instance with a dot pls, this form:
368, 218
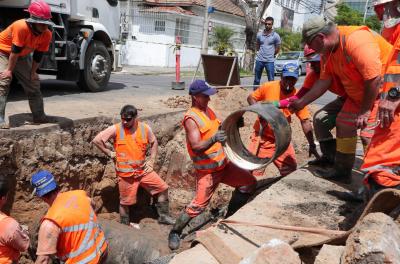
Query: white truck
84, 38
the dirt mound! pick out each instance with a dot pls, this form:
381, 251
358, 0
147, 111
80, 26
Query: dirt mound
177, 102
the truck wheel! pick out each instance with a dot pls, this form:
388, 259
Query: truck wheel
96, 74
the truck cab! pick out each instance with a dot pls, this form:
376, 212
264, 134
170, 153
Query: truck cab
84, 38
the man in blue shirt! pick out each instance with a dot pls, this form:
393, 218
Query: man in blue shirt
268, 45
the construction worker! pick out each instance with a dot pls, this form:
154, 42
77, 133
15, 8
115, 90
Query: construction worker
17, 42
324, 119
204, 142
69, 229
382, 160
343, 50
132, 138
13, 238
262, 142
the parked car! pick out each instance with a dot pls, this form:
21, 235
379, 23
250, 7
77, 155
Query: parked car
290, 57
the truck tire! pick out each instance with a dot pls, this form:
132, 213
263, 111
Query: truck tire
96, 74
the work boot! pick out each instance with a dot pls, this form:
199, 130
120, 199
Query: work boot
3, 124
174, 237
342, 169
124, 219
237, 201
163, 213
328, 149
37, 108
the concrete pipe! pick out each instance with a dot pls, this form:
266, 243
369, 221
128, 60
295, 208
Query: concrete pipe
128, 245
238, 153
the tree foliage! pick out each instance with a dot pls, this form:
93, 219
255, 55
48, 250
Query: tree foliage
290, 40
221, 39
347, 16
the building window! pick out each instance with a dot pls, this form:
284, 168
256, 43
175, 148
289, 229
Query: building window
182, 29
159, 25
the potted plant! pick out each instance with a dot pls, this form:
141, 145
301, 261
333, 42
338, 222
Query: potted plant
222, 39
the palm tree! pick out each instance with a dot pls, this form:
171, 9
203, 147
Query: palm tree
221, 39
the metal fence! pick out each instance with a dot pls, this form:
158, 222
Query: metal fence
158, 26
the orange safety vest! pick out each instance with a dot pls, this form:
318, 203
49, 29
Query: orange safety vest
213, 159
81, 239
7, 254
350, 78
392, 69
382, 161
131, 150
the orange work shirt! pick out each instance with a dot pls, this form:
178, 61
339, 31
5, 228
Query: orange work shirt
358, 58
271, 91
20, 34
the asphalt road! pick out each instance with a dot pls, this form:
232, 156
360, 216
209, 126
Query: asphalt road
66, 99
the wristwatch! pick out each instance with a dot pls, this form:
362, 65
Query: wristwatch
394, 93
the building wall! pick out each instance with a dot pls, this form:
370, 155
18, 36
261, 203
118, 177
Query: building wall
151, 44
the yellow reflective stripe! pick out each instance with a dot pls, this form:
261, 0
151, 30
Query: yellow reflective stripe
197, 118
86, 242
121, 131
393, 77
346, 145
393, 170
94, 254
209, 166
207, 156
142, 131
131, 162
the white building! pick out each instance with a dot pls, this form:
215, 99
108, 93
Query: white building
151, 27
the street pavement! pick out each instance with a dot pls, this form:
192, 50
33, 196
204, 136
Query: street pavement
66, 99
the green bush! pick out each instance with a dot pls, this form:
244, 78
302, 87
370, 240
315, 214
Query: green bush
346, 16
290, 40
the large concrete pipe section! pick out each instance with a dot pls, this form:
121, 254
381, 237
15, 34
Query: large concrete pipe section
128, 245
234, 147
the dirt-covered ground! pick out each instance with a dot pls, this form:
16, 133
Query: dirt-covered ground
76, 164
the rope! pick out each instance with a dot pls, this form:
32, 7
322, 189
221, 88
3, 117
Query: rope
319, 231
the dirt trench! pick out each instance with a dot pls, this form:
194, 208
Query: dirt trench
66, 151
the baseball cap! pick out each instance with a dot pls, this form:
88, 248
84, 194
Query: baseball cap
200, 86
290, 70
312, 27
43, 182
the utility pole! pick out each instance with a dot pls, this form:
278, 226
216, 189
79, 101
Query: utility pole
365, 10
204, 43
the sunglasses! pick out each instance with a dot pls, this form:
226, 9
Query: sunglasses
127, 119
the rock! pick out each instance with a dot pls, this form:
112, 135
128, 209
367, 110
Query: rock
329, 255
376, 239
274, 252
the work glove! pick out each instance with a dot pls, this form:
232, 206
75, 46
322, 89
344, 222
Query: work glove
149, 166
219, 136
240, 122
112, 155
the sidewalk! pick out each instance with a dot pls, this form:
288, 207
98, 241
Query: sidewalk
149, 70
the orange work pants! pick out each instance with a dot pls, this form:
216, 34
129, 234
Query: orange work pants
265, 148
206, 184
346, 120
382, 160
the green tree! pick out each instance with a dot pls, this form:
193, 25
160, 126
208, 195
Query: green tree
347, 16
221, 39
290, 40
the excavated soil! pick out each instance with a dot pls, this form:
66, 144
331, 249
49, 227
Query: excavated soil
66, 151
